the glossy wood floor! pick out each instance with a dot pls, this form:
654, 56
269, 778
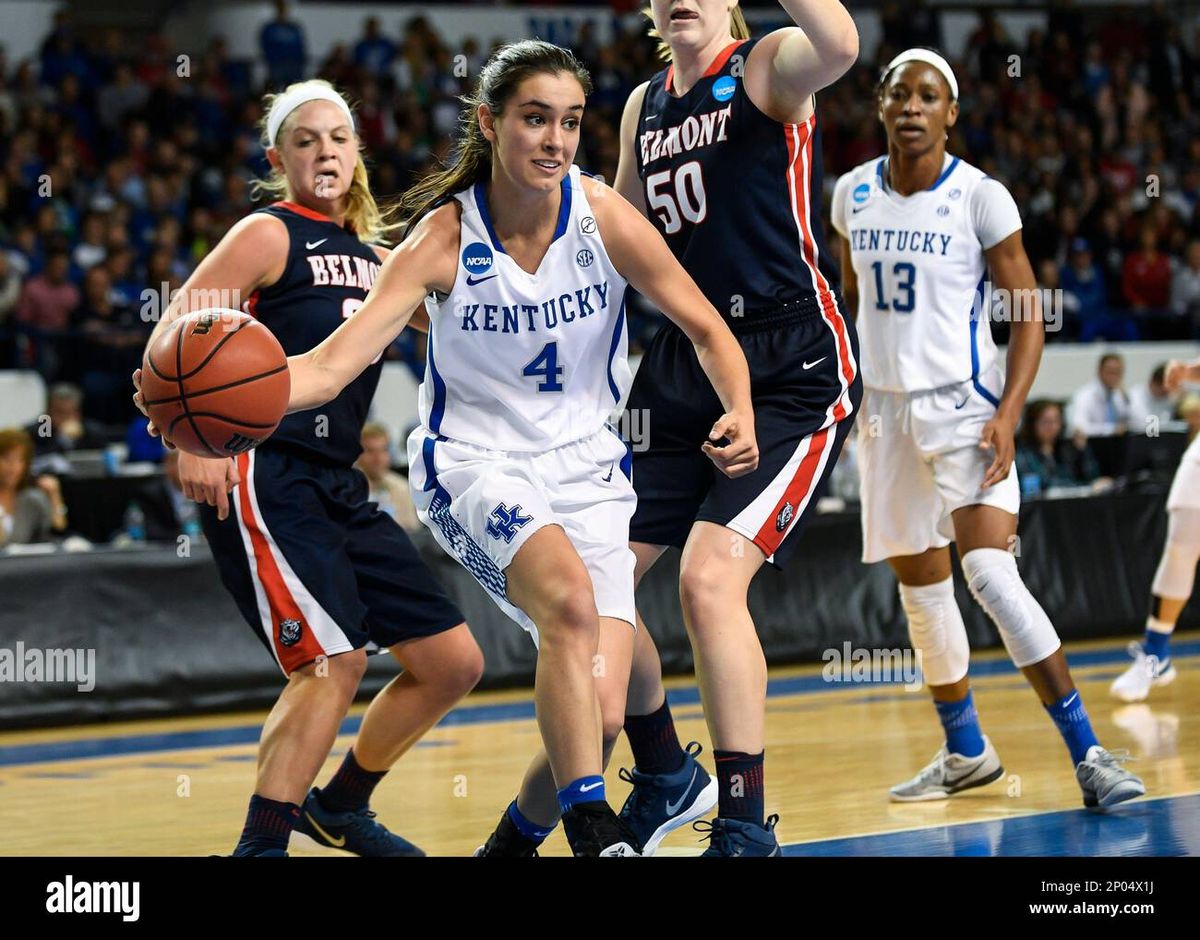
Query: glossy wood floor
179, 786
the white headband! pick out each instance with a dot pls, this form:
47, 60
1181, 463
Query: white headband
288, 102
929, 57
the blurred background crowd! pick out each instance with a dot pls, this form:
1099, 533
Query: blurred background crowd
117, 175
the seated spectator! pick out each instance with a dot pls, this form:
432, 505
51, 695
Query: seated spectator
166, 512
63, 429
10, 292
1045, 458
30, 510
1083, 281
111, 345
1101, 408
1146, 284
44, 309
1185, 288
1151, 405
387, 488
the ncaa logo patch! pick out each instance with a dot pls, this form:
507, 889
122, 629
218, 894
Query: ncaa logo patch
784, 517
724, 87
584, 258
862, 192
289, 632
477, 258
587, 225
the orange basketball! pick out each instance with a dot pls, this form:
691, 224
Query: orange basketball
216, 383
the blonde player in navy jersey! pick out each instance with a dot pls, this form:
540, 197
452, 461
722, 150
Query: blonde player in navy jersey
522, 265
922, 230
318, 572
1176, 573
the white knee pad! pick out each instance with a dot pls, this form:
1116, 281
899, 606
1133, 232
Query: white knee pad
936, 630
1176, 574
996, 584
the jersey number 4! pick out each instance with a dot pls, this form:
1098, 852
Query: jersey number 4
904, 275
545, 367
678, 198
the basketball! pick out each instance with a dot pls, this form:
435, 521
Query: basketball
216, 383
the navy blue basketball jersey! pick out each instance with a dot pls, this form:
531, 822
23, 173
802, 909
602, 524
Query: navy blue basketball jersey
736, 194
325, 280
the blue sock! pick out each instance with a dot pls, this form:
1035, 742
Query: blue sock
269, 825
1157, 644
583, 790
961, 724
530, 830
1073, 724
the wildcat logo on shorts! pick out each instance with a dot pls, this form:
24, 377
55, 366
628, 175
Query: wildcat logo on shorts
784, 517
289, 632
504, 522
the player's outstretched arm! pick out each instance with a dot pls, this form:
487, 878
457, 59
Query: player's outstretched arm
1013, 275
425, 261
791, 64
627, 182
645, 261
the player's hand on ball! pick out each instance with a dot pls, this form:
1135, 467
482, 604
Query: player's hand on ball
208, 480
740, 455
999, 437
140, 400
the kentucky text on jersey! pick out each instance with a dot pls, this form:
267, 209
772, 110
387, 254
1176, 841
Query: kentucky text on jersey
565, 308
696, 131
890, 239
343, 271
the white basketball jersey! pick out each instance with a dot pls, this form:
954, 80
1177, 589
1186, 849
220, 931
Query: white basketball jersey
923, 295
527, 362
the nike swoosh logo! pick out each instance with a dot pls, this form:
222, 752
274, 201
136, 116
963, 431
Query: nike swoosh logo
472, 280
336, 843
672, 810
809, 365
311, 245
591, 786
610, 470
651, 117
857, 210
961, 403
1074, 695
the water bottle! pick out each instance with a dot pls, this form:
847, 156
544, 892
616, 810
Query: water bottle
135, 523
1031, 486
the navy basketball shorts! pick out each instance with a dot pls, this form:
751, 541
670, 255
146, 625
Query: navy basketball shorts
806, 391
315, 568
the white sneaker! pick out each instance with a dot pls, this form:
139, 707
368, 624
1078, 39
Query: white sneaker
1134, 684
1104, 781
948, 774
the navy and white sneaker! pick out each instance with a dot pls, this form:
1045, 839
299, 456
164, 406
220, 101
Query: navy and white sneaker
733, 838
661, 803
355, 831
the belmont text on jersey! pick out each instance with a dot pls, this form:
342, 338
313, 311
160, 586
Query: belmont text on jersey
563, 310
696, 131
343, 271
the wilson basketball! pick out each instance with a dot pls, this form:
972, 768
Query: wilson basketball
216, 383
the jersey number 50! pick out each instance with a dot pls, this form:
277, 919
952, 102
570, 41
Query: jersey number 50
686, 202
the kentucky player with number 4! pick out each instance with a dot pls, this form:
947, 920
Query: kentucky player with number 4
522, 263
921, 229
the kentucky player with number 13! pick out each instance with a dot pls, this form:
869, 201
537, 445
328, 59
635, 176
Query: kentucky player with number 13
922, 228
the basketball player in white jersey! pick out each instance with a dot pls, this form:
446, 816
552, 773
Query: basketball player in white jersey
1176, 574
522, 264
922, 230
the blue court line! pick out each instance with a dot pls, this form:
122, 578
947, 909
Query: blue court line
82, 748
1162, 826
